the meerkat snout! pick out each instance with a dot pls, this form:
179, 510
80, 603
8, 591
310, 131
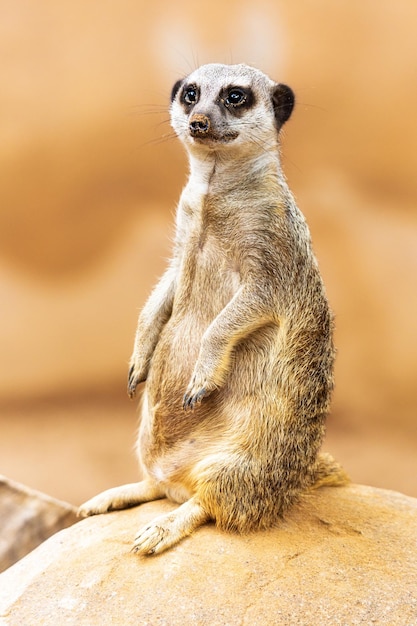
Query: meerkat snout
199, 124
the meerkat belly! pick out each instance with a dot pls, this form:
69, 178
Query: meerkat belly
172, 442
174, 469
207, 283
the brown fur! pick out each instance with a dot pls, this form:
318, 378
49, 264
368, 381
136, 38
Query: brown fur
235, 342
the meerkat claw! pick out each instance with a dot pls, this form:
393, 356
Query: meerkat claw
131, 391
133, 380
131, 383
191, 399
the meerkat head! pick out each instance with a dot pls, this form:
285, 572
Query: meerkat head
220, 106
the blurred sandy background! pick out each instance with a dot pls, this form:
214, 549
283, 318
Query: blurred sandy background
88, 190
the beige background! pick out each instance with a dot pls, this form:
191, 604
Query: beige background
90, 175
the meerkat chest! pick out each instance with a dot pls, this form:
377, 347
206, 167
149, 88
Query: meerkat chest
209, 272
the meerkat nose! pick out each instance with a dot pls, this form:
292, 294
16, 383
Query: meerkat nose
199, 124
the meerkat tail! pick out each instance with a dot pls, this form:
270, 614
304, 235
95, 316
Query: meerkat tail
328, 473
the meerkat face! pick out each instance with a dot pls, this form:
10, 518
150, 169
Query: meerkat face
220, 106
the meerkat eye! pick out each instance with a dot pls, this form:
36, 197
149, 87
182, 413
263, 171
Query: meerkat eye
190, 95
235, 97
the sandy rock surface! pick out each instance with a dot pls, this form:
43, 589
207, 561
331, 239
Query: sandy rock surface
27, 518
345, 556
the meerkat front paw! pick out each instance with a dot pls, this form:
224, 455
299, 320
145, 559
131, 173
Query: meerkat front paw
203, 382
137, 374
198, 389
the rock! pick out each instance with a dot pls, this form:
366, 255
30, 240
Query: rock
27, 518
345, 556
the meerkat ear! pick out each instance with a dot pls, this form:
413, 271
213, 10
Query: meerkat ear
283, 100
175, 89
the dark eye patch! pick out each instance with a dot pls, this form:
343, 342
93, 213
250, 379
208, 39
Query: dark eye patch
237, 99
190, 95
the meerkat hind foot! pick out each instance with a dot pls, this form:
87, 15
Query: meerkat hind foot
123, 497
168, 529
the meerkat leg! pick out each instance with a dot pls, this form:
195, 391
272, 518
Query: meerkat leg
238, 319
168, 529
152, 319
122, 497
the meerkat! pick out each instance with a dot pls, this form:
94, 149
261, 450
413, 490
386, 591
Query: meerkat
235, 342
